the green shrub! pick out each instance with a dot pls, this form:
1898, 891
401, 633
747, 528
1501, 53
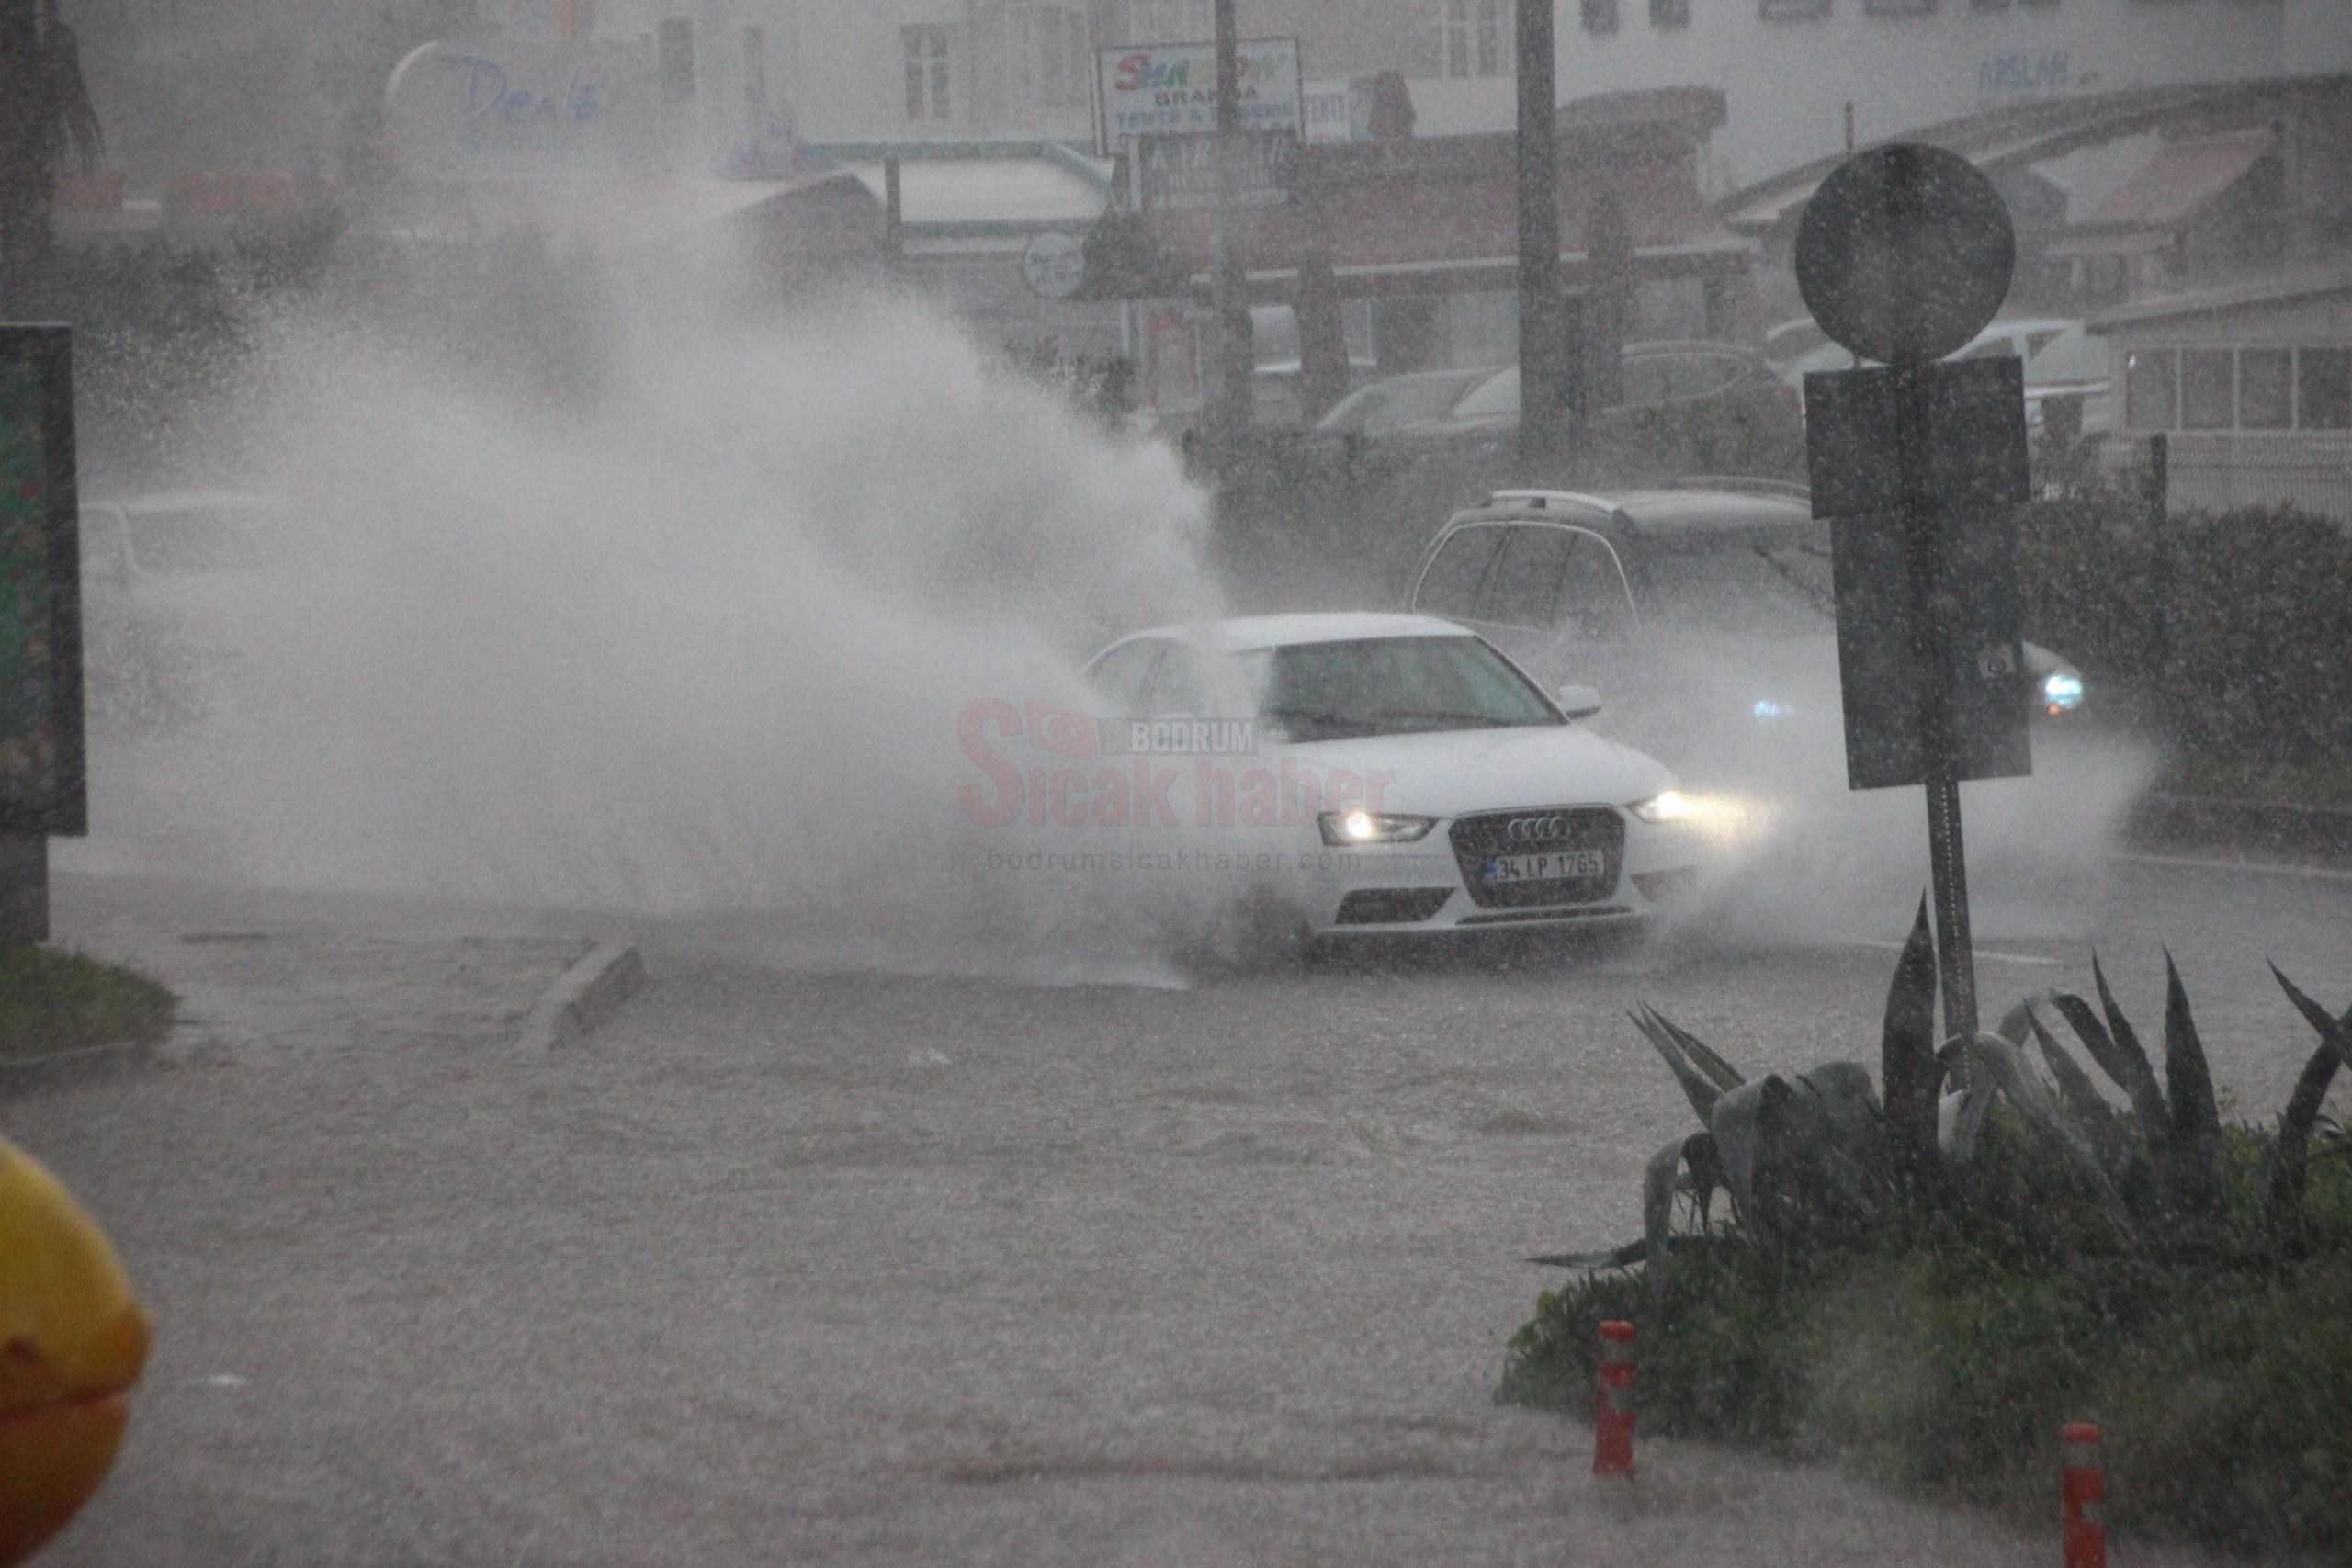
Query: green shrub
64, 1001
2230, 636
1944, 1353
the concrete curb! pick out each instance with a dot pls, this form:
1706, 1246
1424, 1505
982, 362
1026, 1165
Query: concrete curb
75, 1069
2269, 829
582, 998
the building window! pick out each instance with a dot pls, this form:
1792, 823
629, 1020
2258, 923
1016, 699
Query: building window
2265, 388
1049, 56
928, 71
1170, 21
1601, 16
1669, 12
2323, 388
1477, 36
2151, 393
2209, 392
1790, 10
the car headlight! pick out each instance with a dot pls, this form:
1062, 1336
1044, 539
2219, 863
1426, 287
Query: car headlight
1671, 806
1358, 826
2061, 691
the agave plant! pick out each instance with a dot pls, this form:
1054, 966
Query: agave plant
1816, 1155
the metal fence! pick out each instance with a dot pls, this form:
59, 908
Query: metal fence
2222, 471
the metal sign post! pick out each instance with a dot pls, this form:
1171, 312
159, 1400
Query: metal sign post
1905, 254
43, 777
1546, 332
1237, 354
1930, 658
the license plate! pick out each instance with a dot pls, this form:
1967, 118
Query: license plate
1558, 865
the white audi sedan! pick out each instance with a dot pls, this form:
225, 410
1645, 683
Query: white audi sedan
1391, 773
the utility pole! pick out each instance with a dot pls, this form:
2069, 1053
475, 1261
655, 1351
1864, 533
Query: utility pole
1545, 327
1229, 425
894, 222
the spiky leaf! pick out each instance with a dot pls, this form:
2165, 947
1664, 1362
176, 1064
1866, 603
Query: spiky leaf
2196, 1118
2122, 1061
2288, 1163
1725, 1075
2005, 1065
1908, 1073
1696, 1087
2333, 1033
2074, 1086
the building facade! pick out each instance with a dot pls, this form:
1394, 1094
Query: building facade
1793, 70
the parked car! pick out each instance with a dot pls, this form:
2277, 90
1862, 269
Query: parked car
169, 580
1277, 401
2023, 336
1707, 611
1688, 407
2073, 367
1793, 339
1427, 784
1395, 403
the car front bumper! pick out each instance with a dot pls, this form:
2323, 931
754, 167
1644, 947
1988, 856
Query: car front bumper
1442, 882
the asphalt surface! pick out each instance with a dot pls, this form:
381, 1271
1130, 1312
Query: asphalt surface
841, 1266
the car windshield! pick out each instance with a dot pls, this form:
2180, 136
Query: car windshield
1497, 394
1398, 685
2073, 355
1388, 406
1792, 339
1748, 590
186, 541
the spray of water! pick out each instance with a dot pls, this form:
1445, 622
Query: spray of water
709, 642
702, 644
1796, 858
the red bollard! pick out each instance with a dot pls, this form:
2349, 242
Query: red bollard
2083, 1485
1612, 1422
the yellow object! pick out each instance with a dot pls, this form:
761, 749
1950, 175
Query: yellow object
72, 1341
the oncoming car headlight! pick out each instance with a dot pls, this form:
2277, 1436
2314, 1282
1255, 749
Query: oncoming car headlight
1671, 806
1357, 826
2061, 691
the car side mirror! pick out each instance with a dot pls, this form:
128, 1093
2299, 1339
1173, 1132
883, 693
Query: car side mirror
1579, 701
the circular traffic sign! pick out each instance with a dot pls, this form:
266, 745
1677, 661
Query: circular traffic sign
1055, 265
1906, 252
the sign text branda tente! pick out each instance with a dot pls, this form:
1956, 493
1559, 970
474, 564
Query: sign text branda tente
1162, 89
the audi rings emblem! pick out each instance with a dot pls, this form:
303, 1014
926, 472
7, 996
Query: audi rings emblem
1535, 829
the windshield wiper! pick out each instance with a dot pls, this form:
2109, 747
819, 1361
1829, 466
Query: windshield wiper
1295, 720
1466, 720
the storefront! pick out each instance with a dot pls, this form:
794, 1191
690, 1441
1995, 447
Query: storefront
1421, 236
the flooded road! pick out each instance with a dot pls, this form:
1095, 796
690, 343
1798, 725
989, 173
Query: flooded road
836, 1267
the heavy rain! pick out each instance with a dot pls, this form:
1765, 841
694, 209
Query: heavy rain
1172, 781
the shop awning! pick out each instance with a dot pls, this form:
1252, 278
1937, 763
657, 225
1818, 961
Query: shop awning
1442, 215
2180, 182
945, 195
628, 215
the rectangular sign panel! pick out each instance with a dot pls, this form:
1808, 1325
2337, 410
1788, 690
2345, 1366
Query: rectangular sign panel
1168, 89
510, 110
1180, 172
1984, 678
42, 776
1975, 436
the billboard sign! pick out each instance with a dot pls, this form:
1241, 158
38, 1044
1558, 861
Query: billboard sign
1170, 89
1180, 172
41, 771
1332, 112
507, 109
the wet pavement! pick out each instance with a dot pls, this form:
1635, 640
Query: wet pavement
790, 1265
